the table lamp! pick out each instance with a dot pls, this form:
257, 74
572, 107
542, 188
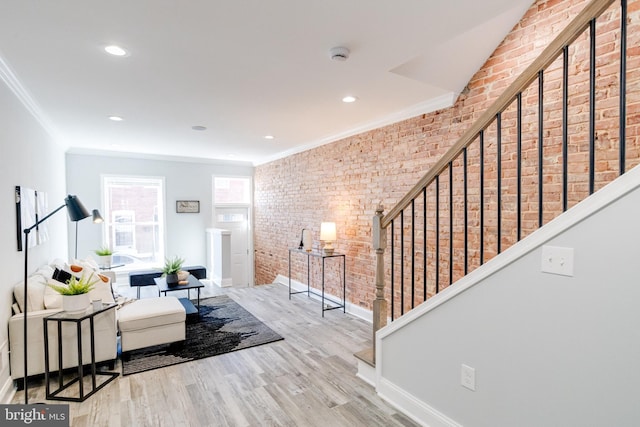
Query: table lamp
328, 235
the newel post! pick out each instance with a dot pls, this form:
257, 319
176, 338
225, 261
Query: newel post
380, 303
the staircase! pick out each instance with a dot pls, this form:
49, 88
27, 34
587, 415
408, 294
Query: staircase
564, 130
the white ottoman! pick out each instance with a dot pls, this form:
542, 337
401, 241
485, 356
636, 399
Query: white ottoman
151, 321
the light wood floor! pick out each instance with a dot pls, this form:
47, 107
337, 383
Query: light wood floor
306, 380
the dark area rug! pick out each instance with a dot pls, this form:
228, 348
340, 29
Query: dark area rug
223, 326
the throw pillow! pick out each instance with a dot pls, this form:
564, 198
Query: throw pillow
36, 286
61, 276
102, 290
46, 271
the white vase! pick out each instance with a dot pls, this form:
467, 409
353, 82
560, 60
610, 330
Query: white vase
105, 261
306, 240
75, 303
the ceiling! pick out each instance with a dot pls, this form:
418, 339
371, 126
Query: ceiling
243, 69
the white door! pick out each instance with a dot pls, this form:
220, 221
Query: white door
236, 220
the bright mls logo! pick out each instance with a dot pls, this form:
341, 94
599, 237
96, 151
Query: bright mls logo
34, 415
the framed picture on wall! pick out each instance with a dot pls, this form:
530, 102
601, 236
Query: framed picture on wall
30, 205
187, 206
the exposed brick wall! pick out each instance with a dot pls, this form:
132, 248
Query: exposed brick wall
345, 181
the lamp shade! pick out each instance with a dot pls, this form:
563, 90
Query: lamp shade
75, 208
97, 218
328, 231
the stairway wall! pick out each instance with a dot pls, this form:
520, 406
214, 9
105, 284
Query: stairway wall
547, 349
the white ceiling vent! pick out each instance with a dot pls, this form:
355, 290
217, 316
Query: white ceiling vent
339, 53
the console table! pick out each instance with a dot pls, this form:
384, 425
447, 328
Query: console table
309, 292
145, 277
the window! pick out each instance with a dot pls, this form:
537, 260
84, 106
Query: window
124, 233
134, 219
231, 190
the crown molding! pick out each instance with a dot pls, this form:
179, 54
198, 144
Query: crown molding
14, 84
159, 157
443, 101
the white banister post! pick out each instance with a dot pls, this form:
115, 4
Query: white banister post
380, 303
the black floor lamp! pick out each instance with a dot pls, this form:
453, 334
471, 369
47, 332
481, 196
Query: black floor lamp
76, 212
97, 219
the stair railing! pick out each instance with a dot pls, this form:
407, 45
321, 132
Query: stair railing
421, 207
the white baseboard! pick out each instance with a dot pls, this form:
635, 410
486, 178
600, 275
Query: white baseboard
366, 373
223, 283
8, 390
409, 405
350, 308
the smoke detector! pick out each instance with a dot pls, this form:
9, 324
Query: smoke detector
339, 53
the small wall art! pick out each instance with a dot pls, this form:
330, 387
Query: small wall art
187, 206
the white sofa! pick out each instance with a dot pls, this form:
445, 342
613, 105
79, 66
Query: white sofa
43, 301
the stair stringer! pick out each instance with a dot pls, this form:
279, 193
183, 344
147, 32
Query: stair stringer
547, 349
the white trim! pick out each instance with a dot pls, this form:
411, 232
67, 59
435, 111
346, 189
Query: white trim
8, 390
366, 373
151, 156
413, 408
353, 309
438, 103
12, 82
222, 283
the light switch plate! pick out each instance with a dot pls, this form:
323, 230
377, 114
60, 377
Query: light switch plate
557, 260
468, 377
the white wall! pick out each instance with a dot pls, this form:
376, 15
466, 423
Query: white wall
30, 159
185, 233
548, 350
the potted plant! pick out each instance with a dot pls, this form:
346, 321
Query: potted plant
75, 294
104, 256
171, 268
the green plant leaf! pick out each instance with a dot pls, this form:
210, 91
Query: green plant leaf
76, 286
104, 251
173, 265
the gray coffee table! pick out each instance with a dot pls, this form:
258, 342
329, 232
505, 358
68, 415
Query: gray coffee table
193, 283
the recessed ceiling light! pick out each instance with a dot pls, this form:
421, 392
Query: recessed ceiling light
269, 137
349, 98
198, 127
115, 50
115, 118
231, 156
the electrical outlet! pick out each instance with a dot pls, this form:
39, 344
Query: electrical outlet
557, 260
468, 377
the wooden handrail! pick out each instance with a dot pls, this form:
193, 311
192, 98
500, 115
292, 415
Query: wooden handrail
566, 37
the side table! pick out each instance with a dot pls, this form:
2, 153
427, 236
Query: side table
309, 292
77, 318
193, 283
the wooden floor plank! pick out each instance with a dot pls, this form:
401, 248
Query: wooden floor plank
308, 379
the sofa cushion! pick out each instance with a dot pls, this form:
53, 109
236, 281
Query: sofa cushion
150, 312
36, 286
46, 271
